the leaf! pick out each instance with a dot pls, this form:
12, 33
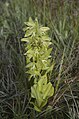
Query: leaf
30, 65
33, 91
51, 67
44, 103
24, 39
41, 83
28, 33
39, 99
36, 108
44, 29
30, 23
49, 91
46, 38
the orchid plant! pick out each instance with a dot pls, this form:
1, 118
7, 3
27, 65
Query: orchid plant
38, 62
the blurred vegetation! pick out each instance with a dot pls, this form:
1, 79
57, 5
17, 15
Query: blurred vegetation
62, 16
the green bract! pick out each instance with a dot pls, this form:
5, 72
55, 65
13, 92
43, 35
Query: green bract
38, 60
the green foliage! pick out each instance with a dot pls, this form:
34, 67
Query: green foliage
62, 17
38, 59
38, 52
41, 91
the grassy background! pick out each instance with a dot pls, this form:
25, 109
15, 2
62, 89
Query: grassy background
62, 16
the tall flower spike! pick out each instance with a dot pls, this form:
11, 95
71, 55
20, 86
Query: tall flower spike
38, 62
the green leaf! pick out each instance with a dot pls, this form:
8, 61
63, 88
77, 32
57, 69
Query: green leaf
34, 91
46, 38
44, 29
43, 103
51, 67
30, 23
49, 91
30, 65
24, 39
37, 109
28, 33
